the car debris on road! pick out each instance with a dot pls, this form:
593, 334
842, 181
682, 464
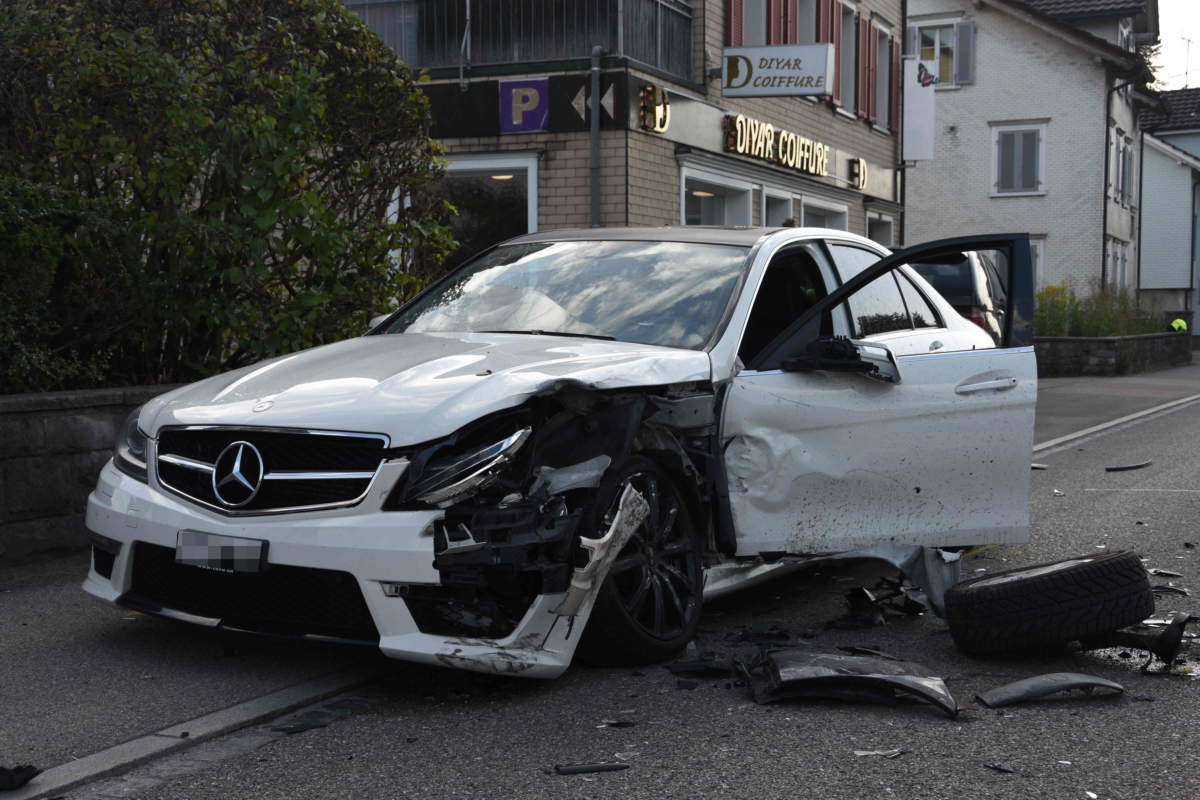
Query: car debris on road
1041, 685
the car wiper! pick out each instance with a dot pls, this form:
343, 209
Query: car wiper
561, 333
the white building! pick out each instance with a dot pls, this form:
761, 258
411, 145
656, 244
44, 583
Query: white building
1035, 129
1170, 202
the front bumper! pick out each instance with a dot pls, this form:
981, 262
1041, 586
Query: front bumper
371, 545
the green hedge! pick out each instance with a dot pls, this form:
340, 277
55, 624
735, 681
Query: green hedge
1058, 311
188, 186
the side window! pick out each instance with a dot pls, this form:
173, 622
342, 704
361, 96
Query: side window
923, 315
791, 285
878, 307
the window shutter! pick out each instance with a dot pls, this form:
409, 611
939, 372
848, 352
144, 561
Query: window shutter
774, 21
873, 87
733, 22
964, 52
836, 31
911, 41
791, 21
897, 84
825, 21
863, 65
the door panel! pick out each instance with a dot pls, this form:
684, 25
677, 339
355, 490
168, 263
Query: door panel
822, 461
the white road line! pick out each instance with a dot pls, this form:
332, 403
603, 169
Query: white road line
125, 756
1190, 491
1070, 437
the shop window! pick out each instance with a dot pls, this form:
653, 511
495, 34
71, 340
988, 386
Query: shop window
1019, 159
711, 203
880, 228
777, 210
819, 215
495, 199
951, 45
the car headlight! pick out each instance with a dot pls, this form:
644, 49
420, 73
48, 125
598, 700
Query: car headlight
452, 477
129, 456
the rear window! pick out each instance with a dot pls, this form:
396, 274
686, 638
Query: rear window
949, 279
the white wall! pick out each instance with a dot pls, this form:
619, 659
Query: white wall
1022, 73
1166, 222
1184, 141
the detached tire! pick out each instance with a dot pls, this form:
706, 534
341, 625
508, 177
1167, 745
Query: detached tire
648, 607
1048, 605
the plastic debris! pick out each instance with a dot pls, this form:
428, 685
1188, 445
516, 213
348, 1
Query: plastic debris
616, 723
1164, 573
1158, 640
1036, 465
582, 769
1168, 589
800, 674
1059, 493
885, 753
996, 767
17, 776
1042, 685
1127, 467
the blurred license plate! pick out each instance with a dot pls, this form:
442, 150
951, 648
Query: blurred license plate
220, 553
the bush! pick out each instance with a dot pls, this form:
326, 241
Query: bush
1059, 312
188, 186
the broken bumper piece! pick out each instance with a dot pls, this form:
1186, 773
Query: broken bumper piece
799, 674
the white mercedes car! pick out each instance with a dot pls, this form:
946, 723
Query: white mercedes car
572, 440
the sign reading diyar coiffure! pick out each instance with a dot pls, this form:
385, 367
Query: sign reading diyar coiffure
750, 137
786, 70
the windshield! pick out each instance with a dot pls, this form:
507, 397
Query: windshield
664, 293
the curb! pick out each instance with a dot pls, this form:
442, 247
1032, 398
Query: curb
123, 757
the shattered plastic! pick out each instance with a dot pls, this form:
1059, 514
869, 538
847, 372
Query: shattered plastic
585, 583
1037, 687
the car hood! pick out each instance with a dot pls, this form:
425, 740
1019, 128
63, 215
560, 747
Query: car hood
415, 387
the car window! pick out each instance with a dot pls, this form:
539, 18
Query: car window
664, 293
922, 314
851, 260
878, 307
791, 285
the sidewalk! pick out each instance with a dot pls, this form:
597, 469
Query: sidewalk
1066, 405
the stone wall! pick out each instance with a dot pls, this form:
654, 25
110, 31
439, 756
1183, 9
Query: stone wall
52, 446
1061, 356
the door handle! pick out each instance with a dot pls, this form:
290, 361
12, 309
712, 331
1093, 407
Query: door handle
1000, 385
935, 345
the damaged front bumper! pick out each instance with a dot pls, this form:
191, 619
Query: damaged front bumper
335, 575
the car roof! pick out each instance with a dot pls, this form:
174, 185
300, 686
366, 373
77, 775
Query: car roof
742, 236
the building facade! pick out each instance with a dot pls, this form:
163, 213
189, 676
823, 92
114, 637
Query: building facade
510, 85
1036, 129
1170, 202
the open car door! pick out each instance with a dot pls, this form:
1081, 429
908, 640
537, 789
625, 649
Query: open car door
833, 444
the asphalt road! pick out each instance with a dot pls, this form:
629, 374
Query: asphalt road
423, 732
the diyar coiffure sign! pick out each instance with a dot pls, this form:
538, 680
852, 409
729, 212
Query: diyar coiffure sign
756, 139
790, 70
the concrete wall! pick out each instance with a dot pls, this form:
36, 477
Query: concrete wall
1061, 356
52, 446
1022, 73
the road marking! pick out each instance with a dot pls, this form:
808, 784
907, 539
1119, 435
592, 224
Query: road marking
1071, 437
127, 755
1190, 491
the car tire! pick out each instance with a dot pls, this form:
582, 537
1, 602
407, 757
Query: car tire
648, 607
1044, 607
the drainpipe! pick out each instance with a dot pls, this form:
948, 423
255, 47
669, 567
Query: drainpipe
464, 50
597, 51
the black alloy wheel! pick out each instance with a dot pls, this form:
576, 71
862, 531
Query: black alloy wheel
649, 605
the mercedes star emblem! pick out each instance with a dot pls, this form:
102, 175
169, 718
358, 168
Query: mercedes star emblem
237, 475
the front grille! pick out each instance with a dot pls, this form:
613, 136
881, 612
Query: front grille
300, 470
282, 600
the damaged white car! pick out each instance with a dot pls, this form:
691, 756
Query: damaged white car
568, 443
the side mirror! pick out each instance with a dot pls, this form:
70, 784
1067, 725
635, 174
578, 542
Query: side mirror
840, 354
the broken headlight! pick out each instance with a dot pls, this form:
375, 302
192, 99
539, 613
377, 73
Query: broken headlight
452, 477
129, 455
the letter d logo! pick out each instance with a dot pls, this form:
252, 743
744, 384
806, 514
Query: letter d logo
738, 71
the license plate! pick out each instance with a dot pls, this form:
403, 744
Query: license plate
220, 553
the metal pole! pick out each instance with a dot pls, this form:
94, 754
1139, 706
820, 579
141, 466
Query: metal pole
594, 105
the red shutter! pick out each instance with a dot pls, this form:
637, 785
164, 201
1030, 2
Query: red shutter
791, 16
733, 23
835, 33
897, 84
774, 21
